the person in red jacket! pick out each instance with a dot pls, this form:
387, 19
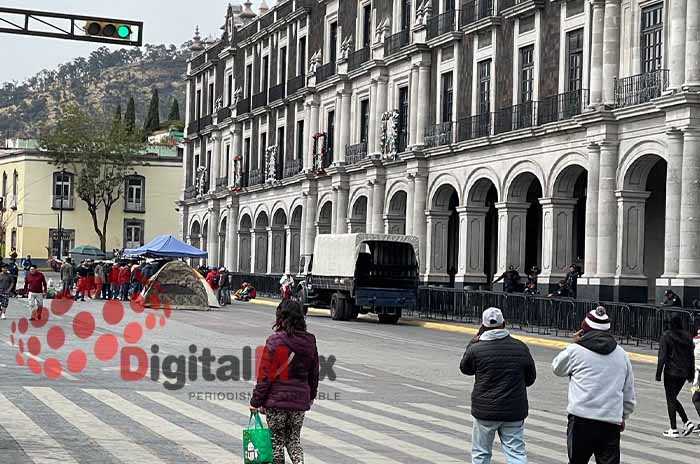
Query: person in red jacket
213, 278
35, 284
124, 281
114, 281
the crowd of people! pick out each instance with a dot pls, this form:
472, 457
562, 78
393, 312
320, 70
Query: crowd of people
222, 283
566, 288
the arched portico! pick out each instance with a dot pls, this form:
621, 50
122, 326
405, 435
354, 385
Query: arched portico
358, 216
478, 234
244, 243
277, 238
395, 218
443, 235
259, 237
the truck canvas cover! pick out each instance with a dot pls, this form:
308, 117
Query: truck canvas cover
336, 255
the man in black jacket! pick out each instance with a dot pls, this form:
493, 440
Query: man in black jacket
504, 368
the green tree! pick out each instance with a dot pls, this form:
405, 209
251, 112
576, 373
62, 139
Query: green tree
118, 114
152, 121
98, 154
130, 117
174, 111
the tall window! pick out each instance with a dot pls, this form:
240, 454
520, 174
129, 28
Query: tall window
229, 89
280, 142
403, 118
485, 87
133, 234
211, 98
449, 5
198, 107
283, 66
364, 121
527, 73
246, 155
652, 38
249, 80
446, 97
301, 67
575, 60
265, 81
208, 159
227, 161
405, 14
367, 26
134, 193
62, 190
333, 42
263, 147
300, 140
330, 137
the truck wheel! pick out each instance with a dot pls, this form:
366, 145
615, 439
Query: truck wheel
337, 308
303, 299
389, 318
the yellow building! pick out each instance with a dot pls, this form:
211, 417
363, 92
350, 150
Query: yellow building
33, 190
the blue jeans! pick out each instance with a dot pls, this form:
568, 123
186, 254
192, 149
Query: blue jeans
511, 435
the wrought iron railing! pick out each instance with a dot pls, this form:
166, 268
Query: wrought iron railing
224, 113
68, 202
355, 153
442, 24
259, 99
243, 106
190, 192
474, 127
357, 58
561, 107
255, 177
205, 121
515, 117
193, 127
439, 134
292, 167
325, 72
267, 20
277, 92
396, 42
296, 83
221, 182
403, 138
474, 11
639, 89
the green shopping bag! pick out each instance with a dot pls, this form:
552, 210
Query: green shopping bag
257, 446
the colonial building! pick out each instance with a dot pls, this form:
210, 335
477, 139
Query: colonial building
499, 132
36, 196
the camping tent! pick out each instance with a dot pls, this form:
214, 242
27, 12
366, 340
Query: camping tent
181, 286
166, 246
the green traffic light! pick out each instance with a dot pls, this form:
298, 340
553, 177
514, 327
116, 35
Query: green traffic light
123, 32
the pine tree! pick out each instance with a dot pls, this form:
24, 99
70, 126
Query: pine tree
118, 114
152, 121
130, 116
174, 111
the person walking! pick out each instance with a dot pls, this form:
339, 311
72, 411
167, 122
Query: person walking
124, 282
601, 391
13, 269
676, 363
6, 285
35, 284
511, 280
106, 289
696, 383
67, 277
223, 294
114, 281
504, 369
99, 281
287, 381
81, 287
26, 264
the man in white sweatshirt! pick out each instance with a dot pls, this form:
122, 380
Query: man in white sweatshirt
601, 391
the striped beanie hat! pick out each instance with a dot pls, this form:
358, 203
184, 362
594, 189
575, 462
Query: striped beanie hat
596, 320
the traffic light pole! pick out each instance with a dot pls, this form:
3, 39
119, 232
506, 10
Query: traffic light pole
67, 27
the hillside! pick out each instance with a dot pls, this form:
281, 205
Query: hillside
102, 80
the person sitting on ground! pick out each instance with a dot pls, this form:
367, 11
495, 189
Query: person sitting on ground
671, 299
245, 293
562, 292
531, 289
511, 280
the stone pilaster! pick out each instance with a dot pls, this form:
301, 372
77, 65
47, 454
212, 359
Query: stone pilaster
373, 125
472, 229
677, 48
607, 209
419, 222
597, 25
692, 46
611, 50
591, 245
557, 230
423, 96
413, 109
511, 235
438, 226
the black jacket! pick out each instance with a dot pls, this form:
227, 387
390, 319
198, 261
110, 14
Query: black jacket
504, 369
676, 356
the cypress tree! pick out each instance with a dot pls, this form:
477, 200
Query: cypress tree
174, 111
118, 114
130, 116
152, 121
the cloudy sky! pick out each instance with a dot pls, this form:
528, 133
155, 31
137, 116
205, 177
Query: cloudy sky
166, 21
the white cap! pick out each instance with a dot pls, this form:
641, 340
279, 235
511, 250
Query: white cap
492, 317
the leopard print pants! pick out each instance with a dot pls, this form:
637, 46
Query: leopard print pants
285, 432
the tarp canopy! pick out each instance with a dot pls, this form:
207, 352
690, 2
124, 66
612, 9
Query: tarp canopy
181, 286
88, 250
166, 246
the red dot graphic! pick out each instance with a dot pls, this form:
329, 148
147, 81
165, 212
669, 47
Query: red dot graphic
133, 332
77, 361
52, 368
13, 326
21, 346
42, 320
154, 301
113, 312
12, 340
166, 309
19, 359
34, 346
106, 347
61, 306
23, 325
150, 321
55, 337
34, 366
162, 321
84, 325
137, 304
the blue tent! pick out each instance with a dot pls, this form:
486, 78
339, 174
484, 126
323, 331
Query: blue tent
166, 246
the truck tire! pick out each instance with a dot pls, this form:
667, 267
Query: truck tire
339, 307
303, 299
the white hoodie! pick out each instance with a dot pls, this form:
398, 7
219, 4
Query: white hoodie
696, 340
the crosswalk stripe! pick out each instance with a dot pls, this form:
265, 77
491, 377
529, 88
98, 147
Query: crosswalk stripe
119, 445
64, 374
347, 369
37, 444
320, 438
427, 390
194, 444
343, 387
548, 437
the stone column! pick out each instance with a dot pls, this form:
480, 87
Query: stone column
597, 25
410, 200
557, 232
607, 209
310, 211
630, 233
413, 108
672, 228
236, 150
334, 211
611, 50
472, 229
215, 168
370, 207
277, 250
186, 168
591, 243
381, 108
511, 235
377, 207
345, 128
313, 129
689, 263
307, 137
288, 250
213, 238
692, 46
245, 251
372, 133
436, 247
423, 96
232, 237
341, 207
419, 222
677, 48
339, 126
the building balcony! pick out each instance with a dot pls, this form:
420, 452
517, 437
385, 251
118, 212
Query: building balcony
243, 106
442, 24
221, 183
325, 72
474, 127
59, 202
205, 121
292, 167
277, 92
515, 117
640, 89
255, 177
475, 10
190, 192
295, 84
438, 135
355, 153
134, 207
224, 113
259, 99
357, 58
561, 107
396, 42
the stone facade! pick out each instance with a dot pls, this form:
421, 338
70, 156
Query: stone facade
567, 132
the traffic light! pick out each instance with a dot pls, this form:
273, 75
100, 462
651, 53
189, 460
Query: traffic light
107, 29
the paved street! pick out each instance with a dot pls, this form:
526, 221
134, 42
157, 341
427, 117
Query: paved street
398, 398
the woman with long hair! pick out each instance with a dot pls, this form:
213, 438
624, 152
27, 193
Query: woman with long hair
287, 381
